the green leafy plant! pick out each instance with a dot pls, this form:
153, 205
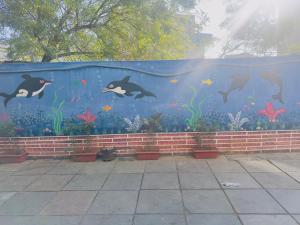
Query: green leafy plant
72, 127
194, 121
198, 138
57, 114
7, 129
150, 126
153, 123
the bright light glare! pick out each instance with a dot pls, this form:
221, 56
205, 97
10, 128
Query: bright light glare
274, 9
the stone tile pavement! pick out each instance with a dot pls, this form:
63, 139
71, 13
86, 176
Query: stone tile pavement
258, 189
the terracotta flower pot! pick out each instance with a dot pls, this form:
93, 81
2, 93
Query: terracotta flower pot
84, 157
13, 158
205, 154
147, 155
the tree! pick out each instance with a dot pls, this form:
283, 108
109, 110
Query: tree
262, 28
49, 30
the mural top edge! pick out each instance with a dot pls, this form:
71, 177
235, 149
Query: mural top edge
148, 64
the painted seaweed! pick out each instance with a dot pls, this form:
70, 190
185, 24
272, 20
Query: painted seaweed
195, 109
57, 114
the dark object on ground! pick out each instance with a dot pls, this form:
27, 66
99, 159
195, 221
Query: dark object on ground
108, 154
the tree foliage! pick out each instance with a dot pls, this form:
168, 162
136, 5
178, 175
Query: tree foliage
268, 29
46, 30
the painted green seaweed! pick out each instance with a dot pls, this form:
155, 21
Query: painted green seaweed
194, 121
57, 114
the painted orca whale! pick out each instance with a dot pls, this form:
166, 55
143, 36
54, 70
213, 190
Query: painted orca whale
124, 87
31, 86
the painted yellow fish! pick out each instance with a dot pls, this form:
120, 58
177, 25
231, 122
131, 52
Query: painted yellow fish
106, 108
174, 81
207, 82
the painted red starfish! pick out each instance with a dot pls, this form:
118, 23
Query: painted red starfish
271, 113
87, 117
4, 117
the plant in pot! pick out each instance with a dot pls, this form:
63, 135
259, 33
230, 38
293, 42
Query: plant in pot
108, 153
82, 146
150, 151
203, 151
13, 153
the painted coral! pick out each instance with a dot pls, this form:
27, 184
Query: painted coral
236, 122
134, 125
4, 117
271, 113
87, 117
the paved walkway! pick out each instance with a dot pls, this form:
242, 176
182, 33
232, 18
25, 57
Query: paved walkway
263, 190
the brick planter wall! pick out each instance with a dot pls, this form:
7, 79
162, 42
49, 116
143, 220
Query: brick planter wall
169, 143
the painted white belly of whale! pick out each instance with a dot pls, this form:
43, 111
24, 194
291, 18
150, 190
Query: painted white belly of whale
38, 91
22, 93
118, 90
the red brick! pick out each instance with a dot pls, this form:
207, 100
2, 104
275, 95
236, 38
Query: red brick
141, 135
119, 140
250, 140
171, 142
258, 136
172, 134
223, 141
225, 145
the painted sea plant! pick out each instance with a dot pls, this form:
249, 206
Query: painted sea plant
134, 125
271, 113
87, 117
195, 109
237, 122
57, 114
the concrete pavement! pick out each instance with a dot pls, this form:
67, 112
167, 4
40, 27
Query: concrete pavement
258, 189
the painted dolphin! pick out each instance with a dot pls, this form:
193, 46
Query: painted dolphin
238, 83
31, 86
274, 79
124, 87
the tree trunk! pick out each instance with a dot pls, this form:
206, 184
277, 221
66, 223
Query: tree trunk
46, 58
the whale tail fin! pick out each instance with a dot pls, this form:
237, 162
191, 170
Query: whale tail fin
7, 98
278, 97
225, 96
145, 93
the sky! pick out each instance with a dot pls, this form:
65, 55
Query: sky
216, 12
215, 9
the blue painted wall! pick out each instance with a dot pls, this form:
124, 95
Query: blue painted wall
79, 86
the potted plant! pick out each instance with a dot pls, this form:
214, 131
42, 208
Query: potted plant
108, 154
13, 153
203, 151
83, 149
150, 151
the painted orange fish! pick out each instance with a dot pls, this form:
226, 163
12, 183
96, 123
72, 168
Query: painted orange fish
106, 108
84, 82
174, 81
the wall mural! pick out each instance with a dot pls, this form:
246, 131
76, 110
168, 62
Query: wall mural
120, 97
31, 86
124, 87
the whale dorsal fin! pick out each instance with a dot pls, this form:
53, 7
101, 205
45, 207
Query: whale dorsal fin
26, 76
126, 79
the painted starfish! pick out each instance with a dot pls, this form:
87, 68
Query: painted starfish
271, 113
87, 117
4, 117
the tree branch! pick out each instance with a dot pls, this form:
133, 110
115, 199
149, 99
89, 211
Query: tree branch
74, 53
